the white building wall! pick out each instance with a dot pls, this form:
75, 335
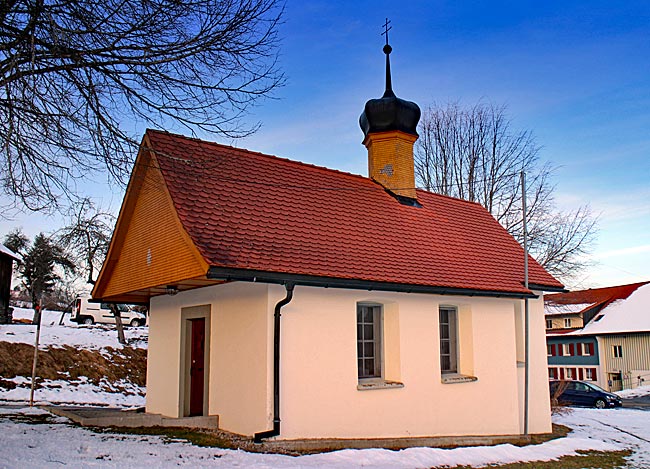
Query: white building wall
319, 394
319, 369
635, 362
238, 341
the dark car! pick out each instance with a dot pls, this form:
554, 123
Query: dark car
579, 393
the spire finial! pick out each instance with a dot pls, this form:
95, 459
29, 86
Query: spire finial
387, 50
387, 28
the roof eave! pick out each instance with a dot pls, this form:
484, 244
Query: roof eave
549, 288
246, 275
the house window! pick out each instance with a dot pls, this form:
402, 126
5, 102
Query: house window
552, 373
585, 348
369, 341
567, 322
448, 339
566, 351
590, 374
549, 350
570, 374
618, 351
549, 324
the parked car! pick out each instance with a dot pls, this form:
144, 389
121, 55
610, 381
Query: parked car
87, 312
580, 393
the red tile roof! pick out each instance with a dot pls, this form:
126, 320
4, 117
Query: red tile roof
248, 210
594, 297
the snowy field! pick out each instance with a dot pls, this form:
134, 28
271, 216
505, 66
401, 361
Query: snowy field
81, 391
88, 337
57, 442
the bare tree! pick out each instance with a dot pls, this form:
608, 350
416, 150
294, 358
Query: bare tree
76, 77
87, 235
475, 154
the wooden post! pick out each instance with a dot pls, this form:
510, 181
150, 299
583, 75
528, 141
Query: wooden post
118, 322
37, 317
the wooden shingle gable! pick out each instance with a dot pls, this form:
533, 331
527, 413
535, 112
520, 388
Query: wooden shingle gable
150, 249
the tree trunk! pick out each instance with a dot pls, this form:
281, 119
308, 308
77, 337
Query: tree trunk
118, 322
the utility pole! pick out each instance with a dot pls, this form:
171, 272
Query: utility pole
526, 310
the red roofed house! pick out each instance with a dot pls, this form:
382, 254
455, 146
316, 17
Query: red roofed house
600, 335
298, 302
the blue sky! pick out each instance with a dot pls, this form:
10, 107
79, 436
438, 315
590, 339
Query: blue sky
575, 73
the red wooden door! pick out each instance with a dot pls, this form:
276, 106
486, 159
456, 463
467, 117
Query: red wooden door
197, 374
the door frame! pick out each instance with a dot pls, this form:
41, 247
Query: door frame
187, 315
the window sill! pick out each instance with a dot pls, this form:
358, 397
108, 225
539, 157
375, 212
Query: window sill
378, 384
457, 378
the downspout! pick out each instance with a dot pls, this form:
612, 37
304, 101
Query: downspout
276, 367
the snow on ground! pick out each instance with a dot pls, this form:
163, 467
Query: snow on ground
624, 428
53, 335
79, 392
55, 443
636, 392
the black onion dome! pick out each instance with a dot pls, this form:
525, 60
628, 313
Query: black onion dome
389, 112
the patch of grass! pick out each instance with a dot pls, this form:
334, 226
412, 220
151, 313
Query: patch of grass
30, 419
559, 431
70, 363
195, 436
585, 460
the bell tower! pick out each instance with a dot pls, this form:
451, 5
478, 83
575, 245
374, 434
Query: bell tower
389, 126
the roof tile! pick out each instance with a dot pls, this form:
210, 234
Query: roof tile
249, 210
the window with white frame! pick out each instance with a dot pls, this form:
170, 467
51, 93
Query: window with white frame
568, 372
567, 322
590, 374
369, 341
549, 350
549, 324
448, 320
617, 350
566, 351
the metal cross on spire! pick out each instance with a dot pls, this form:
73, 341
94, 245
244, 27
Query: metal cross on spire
387, 50
387, 28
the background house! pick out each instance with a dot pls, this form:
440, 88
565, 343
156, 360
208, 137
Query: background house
7, 257
613, 346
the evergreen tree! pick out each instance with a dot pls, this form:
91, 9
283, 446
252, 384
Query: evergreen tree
42, 260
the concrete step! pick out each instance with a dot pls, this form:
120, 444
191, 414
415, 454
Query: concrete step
111, 417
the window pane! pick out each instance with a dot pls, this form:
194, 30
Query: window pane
448, 340
369, 368
369, 341
445, 363
368, 349
444, 315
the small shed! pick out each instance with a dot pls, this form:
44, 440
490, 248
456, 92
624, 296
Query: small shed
7, 257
